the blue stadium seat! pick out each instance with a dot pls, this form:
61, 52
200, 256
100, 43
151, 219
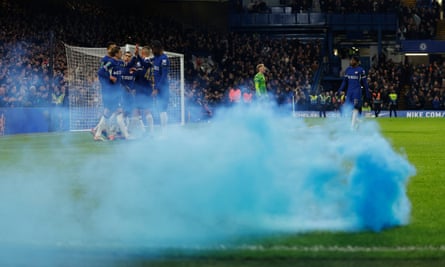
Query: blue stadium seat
277, 10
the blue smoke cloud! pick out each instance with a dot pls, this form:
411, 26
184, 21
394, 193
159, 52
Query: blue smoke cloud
248, 173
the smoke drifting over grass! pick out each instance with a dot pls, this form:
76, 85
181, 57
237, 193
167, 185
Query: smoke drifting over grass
248, 173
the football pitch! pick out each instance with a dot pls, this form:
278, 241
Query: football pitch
420, 243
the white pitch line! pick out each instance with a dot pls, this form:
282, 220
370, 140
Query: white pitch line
227, 247
322, 248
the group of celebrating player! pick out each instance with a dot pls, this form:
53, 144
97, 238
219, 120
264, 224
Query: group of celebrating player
132, 84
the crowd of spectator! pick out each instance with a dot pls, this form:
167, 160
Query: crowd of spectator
291, 65
359, 6
384, 77
420, 86
258, 6
26, 79
418, 22
326, 6
428, 86
24, 69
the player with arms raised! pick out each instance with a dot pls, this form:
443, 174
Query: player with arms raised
161, 91
354, 79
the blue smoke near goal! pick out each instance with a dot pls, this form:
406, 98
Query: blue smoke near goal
248, 173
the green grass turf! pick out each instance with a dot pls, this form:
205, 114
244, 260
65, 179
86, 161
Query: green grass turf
421, 243
422, 142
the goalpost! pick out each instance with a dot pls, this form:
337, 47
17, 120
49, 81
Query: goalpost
85, 99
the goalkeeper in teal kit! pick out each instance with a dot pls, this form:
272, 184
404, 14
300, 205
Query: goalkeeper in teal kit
354, 80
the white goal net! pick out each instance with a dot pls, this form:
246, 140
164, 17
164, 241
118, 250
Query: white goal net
85, 99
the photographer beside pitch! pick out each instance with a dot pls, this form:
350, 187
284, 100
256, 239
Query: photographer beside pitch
354, 79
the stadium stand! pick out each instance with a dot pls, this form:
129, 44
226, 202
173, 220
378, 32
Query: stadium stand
427, 86
27, 82
215, 62
419, 21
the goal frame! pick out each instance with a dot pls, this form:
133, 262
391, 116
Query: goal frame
92, 51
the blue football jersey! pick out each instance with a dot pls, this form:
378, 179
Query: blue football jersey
354, 79
161, 65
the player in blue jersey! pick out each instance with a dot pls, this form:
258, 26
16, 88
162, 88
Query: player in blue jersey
129, 70
108, 64
161, 91
354, 80
110, 77
128, 77
107, 82
144, 85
